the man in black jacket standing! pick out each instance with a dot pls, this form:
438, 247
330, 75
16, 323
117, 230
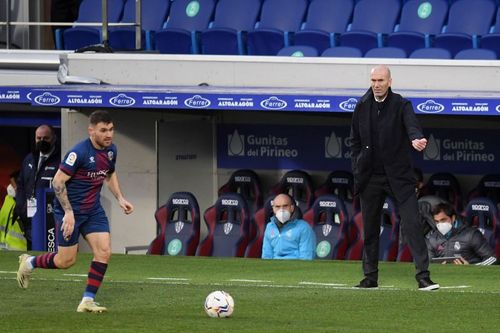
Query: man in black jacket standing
37, 170
383, 131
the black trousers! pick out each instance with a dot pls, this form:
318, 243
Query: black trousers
372, 201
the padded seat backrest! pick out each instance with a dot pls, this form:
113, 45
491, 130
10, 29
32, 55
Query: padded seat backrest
298, 184
247, 183
426, 17
446, 186
376, 16
483, 213
179, 226
284, 15
190, 15
329, 219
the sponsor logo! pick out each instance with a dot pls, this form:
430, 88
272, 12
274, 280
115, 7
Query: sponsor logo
91, 159
242, 179
326, 229
386, 205
122, 100
179, 225
11, 95
456, 246
236, 144
110, 155
71, 159
308, 104
348, 105
482, 208
295, 180
498, 108
323, 249
327, 204
492, 184
433, 150
192, 9
47, 99
229, 202
197, 102
180, 201
230, 102
97, 174
174, 247
228, 226
430, 106
465, 107
336, 180
273, 103
51, 240
84, 100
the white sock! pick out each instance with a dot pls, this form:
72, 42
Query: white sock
29, 262
87, 299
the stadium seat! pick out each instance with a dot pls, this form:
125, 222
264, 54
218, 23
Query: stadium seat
259, 221
89, 11
420, 20
389, 234
227, 33
371, 20
181, 32
278, 19
341, 184
298, 51
298, 184
386, 52
329, 219
491, 41
154, 13
476, 54
467, 21
446, 186
483, 213
489, 187
431, 53
326, 19
247, 183
342, 52
228, 222
179, 226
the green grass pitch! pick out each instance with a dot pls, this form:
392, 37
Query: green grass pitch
166, 294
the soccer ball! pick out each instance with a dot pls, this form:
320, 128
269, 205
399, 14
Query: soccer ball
219, 304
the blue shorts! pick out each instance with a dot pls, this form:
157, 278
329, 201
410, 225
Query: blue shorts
85, 224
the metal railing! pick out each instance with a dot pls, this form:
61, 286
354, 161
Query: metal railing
104, 24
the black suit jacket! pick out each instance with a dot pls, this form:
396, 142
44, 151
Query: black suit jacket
398, 127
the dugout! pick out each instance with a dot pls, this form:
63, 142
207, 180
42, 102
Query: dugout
176, 116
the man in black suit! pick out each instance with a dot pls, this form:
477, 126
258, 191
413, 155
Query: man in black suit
383, 131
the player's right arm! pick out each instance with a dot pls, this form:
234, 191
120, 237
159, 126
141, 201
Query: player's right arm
59, 185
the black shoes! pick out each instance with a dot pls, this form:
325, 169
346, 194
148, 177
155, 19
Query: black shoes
426, 284
367, 283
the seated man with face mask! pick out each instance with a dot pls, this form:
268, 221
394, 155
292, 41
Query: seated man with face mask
455, 242
286, 236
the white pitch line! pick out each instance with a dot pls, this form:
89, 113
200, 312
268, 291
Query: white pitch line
7, 272
309, 283
247, 280
168, 279
78, 275
454, 287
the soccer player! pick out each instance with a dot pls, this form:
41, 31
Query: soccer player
77, 209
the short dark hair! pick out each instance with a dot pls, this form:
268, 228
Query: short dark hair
444, 207
100, 116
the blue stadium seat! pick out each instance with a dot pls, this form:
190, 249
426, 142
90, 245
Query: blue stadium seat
467, 20
228, 223
298, 51
476, 54
259, 221
488, 186
446, 186
386, 52
154, 14
341, 184
419, 21
430, 53
371, 20
329, 219
483, 213
278, 19
187, 18
326, 19
342, 52
491, 41
298, 184
89, 11
227, 33
179, 226
247, 183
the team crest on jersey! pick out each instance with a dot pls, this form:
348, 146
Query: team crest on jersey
327, 228
110, 155
457, 246
228, 227
179, 225
71, 159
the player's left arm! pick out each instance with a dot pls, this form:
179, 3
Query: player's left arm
114, 187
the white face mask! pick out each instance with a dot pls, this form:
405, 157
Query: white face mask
11, 191
444, 227
283, 215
